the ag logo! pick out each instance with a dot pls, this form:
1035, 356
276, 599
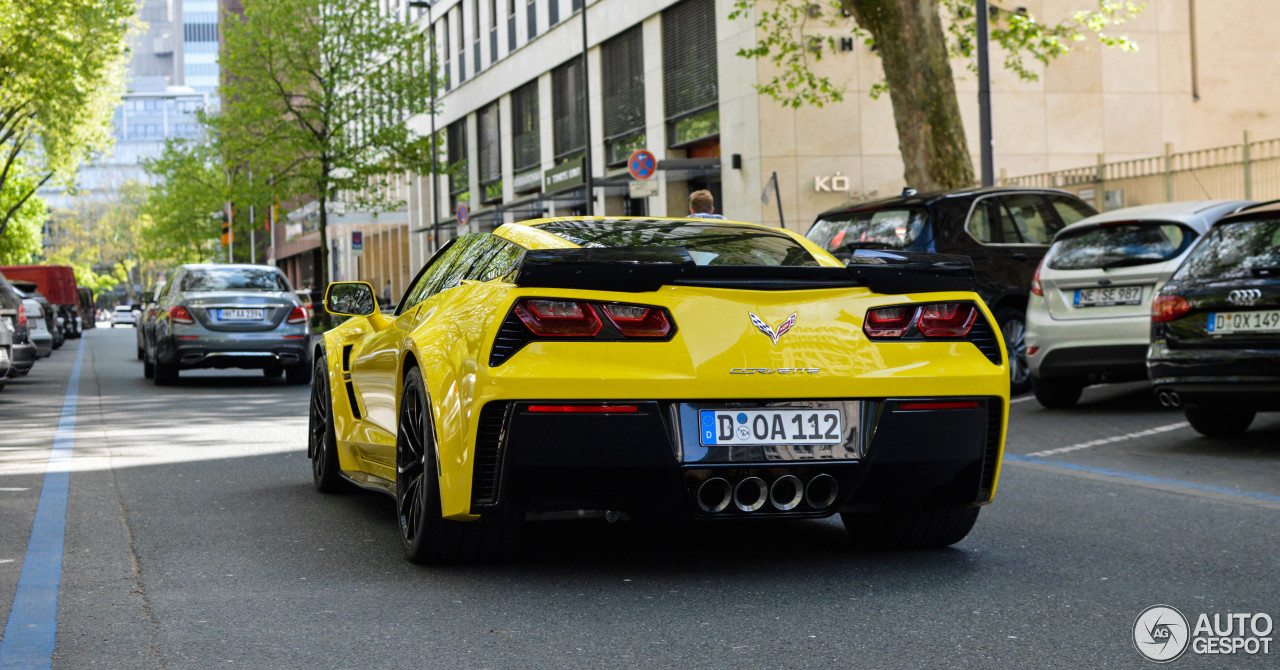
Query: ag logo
768, 330
1161, 633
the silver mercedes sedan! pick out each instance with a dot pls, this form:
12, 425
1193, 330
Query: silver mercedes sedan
227, 316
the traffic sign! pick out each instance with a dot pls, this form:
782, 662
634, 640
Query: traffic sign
357, 242
463, 214
642, 164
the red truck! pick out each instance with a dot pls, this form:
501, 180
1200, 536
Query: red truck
58, 284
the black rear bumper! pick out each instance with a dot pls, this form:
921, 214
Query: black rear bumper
1245, 378
632, 463
1112, 364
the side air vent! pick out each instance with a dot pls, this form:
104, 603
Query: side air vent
486, 475
512, 336
350, 385
346, 358
984, 338
991, 456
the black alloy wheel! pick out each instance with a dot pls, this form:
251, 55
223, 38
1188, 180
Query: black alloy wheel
424, 534
322, 441
1013, 326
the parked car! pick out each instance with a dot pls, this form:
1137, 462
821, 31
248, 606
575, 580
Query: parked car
6, 351
23, 354
53, 322
1005, 231
1215, 327
124, 314
88, 315
146, 315
37, 330
228, 316
1089, 317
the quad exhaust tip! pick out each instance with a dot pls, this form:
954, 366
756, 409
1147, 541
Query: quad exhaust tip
714, 495
821, 491
750, 494
786, 493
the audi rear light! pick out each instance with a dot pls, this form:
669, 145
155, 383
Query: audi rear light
298, 315
947, 319
22, 316
559, 318
180, 314
1036, 288
890, 321
1166, 308
638, 320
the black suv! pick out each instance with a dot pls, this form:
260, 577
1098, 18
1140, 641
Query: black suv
1215, 327
1006, 231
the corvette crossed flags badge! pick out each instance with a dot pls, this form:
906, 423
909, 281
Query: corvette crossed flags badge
768, 330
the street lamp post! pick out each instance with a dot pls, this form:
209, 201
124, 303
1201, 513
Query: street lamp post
985, 140
587, 181
435, 152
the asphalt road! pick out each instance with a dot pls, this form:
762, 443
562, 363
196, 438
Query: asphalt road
194, 540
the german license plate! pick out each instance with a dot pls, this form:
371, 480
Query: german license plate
770, 426
1223, 323
1108, 295
239, 315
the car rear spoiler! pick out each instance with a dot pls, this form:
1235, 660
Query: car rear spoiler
642, 269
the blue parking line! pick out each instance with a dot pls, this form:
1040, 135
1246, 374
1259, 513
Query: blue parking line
33, 621
1146, 479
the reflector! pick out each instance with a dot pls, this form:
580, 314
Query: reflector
583, 409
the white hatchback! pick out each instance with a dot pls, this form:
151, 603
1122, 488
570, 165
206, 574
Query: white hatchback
1089, 315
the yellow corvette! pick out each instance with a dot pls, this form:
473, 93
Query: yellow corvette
663, 368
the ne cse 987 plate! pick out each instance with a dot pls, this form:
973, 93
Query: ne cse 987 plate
1110, 295
770, 426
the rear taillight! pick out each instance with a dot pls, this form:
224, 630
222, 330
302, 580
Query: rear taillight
947, 319
930, 320
583, 409
638, 320
890, 321
1036, 288
1166, 308
180, 314
22, 316
559, 318
298, 315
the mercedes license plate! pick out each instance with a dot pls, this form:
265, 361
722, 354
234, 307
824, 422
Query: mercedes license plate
239, 315
1108, 295
1223, 323
770, 426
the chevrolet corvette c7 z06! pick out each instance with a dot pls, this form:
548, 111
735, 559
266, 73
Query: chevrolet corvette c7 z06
663, 368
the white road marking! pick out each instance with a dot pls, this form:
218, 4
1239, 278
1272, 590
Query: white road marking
1111, 440
12, 489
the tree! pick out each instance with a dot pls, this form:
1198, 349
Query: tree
104, 239
62, 66
191, 187
317, 93
26, 227
915, 47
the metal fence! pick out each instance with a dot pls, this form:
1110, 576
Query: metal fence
1249, 170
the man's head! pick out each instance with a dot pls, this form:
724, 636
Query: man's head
701, 202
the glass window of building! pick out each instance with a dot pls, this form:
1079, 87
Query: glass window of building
462, 48
553, 12
566, 111
526, 144
531, 8
622, 91
493, 31
446, 68
475, 32
690, 83
511, 25
459, 172
489, 148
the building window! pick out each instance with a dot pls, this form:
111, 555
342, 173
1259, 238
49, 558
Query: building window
526, 143
489, 150
511, 25
532, 9
622, 92
475, 32
690, 84
566, 110
553, 12
577, 4
444, 49
493, 31
462, 47
459, 172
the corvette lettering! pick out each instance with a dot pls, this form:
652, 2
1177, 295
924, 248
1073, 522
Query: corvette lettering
775, 371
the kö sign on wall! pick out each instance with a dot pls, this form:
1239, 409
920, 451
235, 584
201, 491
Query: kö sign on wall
836, 183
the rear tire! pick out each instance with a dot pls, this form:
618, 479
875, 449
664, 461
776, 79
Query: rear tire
299, 374
928, 528
1061, 393
1218, 421
1012, 323
425, 536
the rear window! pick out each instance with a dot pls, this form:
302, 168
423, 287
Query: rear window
708, 243
1235, 250
1120, 245
234, 279
888, 228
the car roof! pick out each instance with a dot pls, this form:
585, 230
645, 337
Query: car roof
227, 266
931, 197
1261, 211
1198, 214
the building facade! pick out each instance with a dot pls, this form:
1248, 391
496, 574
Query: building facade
665, 75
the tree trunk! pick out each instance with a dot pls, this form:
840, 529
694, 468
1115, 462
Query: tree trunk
913, 52
324, 240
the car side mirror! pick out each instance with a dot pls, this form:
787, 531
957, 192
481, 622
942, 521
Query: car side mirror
148, 296
350, 298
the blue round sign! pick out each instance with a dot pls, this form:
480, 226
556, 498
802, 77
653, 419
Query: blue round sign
642, 164
463, 215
